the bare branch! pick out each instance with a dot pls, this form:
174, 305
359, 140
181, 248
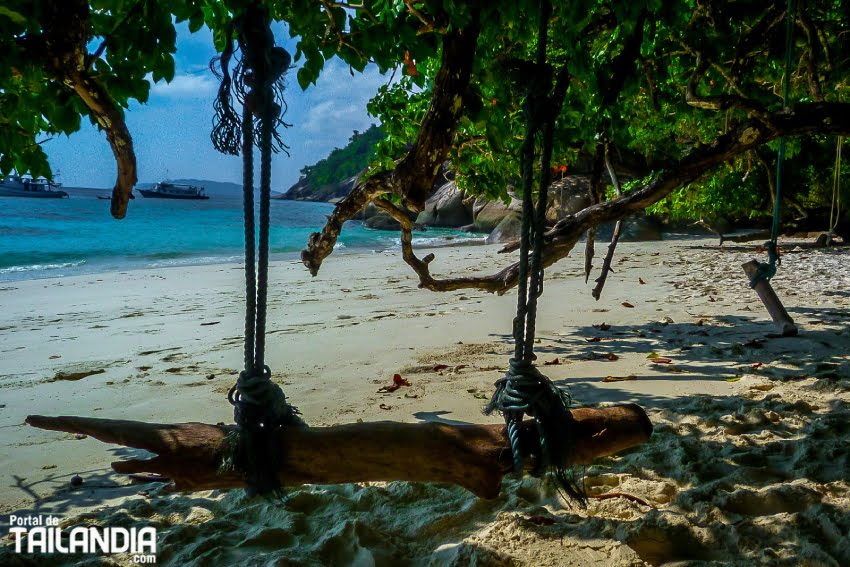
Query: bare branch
615, 237
473, 456
804, 119
413, 178
63, 53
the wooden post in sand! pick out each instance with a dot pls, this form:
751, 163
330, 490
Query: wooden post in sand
475, 457
784, 324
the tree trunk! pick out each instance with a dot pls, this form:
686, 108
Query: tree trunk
472, 456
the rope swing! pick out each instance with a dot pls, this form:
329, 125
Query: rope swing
765, 271
524, 390
260, 406
835, 202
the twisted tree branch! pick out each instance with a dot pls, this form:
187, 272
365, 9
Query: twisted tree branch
413, 177
804, 119
61, 47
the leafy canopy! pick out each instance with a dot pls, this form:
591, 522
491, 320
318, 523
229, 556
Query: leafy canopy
655, 80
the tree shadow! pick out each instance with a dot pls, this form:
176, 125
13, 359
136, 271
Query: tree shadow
56, 493
437, 417
756, 478
714, 349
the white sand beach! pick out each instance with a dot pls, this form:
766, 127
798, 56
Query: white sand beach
749, 462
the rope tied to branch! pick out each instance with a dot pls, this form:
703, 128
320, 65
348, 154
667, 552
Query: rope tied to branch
261, 409
524, 390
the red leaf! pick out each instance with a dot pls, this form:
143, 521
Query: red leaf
554, 362
640, 281
399, 381
628, 305
757, 365
661, 360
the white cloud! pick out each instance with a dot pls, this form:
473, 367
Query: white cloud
202, 85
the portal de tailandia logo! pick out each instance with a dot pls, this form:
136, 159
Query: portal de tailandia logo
39, 534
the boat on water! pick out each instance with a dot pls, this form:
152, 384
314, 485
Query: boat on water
168, 190
109, 197
17, 186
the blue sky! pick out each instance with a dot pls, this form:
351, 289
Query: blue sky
171, 132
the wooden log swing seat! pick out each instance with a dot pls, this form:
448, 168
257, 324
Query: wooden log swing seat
269, 446
475, 457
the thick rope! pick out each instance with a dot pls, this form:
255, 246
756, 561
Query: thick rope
260, 406
765, 271
524, 390
263, 248
250, 260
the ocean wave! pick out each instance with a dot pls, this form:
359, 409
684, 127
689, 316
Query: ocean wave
436, 241
195, 261
40, 267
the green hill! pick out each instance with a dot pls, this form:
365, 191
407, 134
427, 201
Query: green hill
325, 179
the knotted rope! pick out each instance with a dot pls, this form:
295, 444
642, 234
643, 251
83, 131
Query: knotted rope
524, 390
260, 406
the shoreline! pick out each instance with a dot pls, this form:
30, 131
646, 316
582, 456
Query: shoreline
100, 266
164, 345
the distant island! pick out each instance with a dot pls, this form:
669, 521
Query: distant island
333, 177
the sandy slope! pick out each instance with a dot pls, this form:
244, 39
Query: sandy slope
748, 464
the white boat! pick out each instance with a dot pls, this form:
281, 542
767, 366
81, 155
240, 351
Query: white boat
168, 190
17, 186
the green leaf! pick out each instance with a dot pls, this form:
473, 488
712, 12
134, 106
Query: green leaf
16, 17
196, 22
303, 78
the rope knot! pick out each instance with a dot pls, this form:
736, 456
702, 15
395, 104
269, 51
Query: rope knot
259, 403
766, 270
260, 410
524, 390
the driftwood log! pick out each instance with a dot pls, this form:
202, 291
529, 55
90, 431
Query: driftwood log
475, 457
781, 319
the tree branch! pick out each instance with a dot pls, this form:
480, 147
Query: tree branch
615, 237
804, 119
756, 36
717, 102
64, 56
414, 175
472, 456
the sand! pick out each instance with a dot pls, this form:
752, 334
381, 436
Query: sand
748, 463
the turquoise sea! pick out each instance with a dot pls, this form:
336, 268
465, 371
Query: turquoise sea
62, 237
